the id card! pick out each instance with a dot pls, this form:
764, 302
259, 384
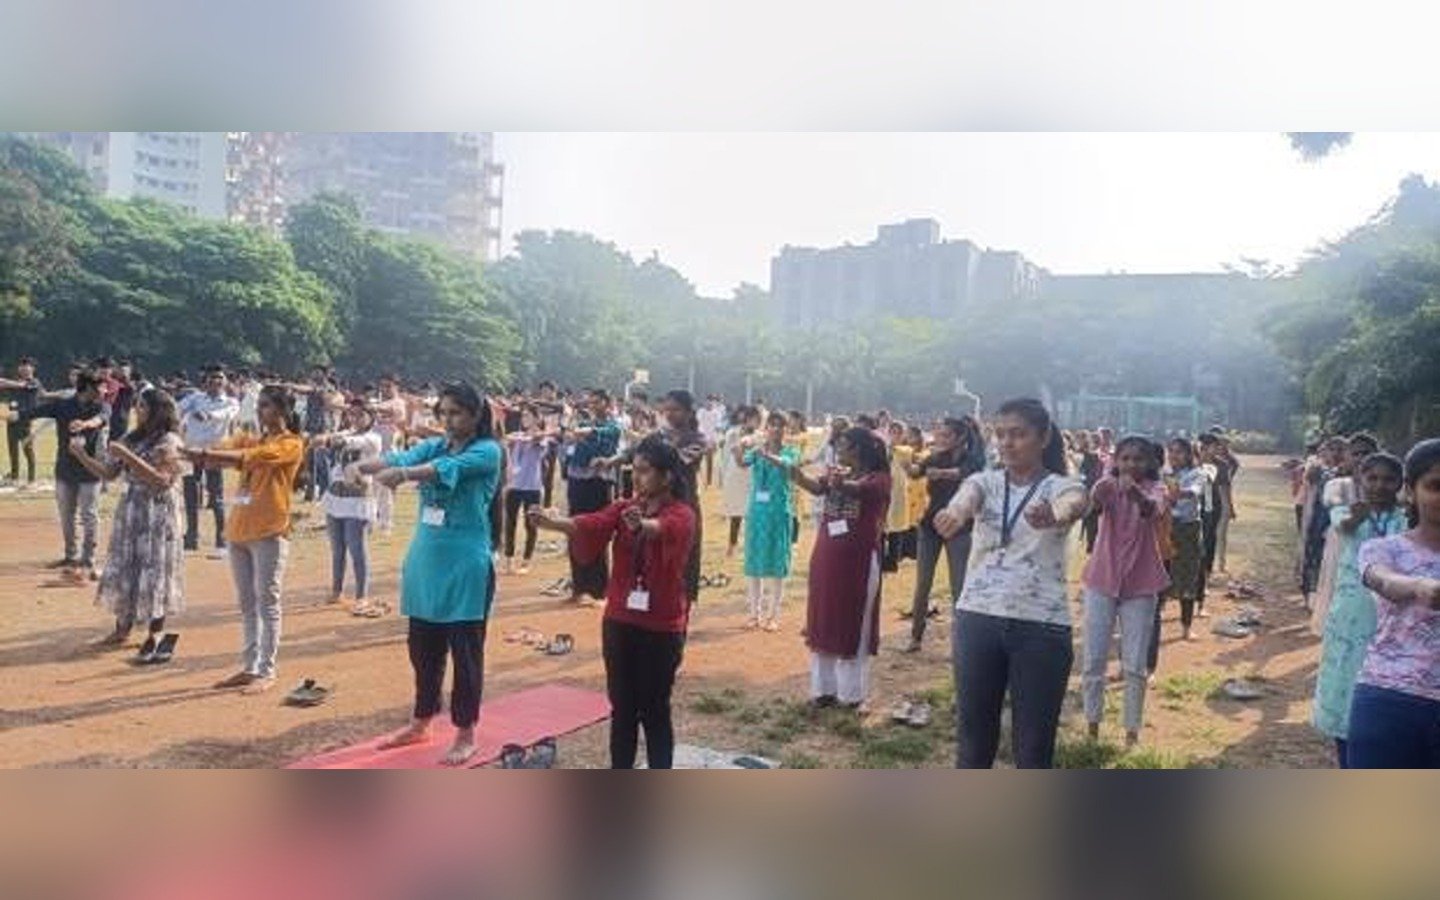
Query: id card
762, 496
433, 516
638, 601
837, 527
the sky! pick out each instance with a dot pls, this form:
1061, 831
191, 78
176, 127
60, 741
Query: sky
719, 206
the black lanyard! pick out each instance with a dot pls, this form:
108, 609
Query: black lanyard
1007, 521
637, 557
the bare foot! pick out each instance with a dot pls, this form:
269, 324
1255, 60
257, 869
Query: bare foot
238, 680
417, 733
258, 685
752, 623
461, 750
771, 625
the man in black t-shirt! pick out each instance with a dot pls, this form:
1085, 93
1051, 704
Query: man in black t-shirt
77, 489
952, 460
21, 394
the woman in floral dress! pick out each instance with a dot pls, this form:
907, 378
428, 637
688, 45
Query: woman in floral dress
144, 575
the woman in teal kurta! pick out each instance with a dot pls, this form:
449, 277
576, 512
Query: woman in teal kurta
448, 580
768, 520
1350, 621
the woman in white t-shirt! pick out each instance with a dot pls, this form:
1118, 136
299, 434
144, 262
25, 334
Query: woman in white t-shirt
1012, 628
350, 502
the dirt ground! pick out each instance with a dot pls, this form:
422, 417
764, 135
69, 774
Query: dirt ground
63, 704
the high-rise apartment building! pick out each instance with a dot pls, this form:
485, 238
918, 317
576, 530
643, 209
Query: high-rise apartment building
446, 186
438, 185
186, 168
906, 271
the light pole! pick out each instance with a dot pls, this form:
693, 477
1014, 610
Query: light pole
962, 391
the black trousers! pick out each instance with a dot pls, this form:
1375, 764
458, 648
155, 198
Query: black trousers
640, 669
515, 503
214, 499
589, 495
15, 433
429, 644
547, 477
1032, 660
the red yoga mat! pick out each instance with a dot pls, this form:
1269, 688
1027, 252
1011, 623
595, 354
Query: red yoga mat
523, 717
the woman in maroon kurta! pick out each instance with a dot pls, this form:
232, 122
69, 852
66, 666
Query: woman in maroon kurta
842, 626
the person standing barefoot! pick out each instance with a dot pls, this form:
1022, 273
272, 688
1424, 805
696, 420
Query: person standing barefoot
448, 580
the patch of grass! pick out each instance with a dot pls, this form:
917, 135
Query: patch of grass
801, 761
1153, 758
750, 715
893, 748
710, 704
1085, 753
1188, 686
940, 697
846, 725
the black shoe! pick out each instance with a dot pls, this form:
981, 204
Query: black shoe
146, 656
512, 756
61, 564
165, 650
542, 755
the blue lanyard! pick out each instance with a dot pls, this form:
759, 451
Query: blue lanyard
1007, 521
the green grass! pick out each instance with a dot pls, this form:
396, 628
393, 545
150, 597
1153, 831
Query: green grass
1085, 753
801, 761
895, 748
1153, 758
712, 704
1184, 687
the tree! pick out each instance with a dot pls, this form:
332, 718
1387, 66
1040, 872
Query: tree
329, 239
1315, 145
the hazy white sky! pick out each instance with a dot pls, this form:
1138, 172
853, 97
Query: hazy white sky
719, 206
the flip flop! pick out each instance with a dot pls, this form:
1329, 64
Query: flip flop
307, 693
512, 756
542, 754
751, 762
1242, 690
1249, 617
372, 611
1231, 629
559, 645
901, 712
721, 580
705, 581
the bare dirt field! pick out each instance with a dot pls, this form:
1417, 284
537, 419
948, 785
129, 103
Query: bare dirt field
63, 704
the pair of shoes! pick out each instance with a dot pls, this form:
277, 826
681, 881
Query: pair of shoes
539, 756
155, 653
307, 693
559, 645
916, 714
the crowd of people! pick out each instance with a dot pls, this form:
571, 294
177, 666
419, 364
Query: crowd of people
1007, 502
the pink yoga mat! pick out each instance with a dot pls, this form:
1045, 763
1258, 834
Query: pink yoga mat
523, 717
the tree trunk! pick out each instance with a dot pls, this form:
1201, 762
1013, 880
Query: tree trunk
690, 384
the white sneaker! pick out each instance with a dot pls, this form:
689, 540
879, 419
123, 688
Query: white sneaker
218, 553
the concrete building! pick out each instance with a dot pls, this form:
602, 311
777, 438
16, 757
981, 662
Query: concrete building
906, 271
186, 168
255, 178
445, 186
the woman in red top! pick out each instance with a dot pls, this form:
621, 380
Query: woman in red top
842, 627
646, 606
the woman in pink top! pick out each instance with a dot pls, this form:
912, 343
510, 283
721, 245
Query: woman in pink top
1123, 579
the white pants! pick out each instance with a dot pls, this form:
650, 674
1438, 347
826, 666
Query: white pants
764, 596
847, 679
1137, 620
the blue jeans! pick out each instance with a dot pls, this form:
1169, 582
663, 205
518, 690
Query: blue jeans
348, 536
1392, 730
991, 654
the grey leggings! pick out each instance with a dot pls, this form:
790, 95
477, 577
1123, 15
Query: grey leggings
929, 544
348, 535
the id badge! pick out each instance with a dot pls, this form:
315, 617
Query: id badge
837, 527
638, 601
433, 516
240, 500
762, 496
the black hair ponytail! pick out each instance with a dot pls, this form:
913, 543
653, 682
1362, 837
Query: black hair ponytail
283, 400
686, 401
1033, 413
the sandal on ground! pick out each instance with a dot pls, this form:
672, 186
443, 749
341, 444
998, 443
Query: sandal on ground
901, 712
559, 645
1231, 629
919, 715
1248, 617
523, 635
542, 755
705, 581
307, 693
1240, 689
512, 756
719, 580
372, 610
